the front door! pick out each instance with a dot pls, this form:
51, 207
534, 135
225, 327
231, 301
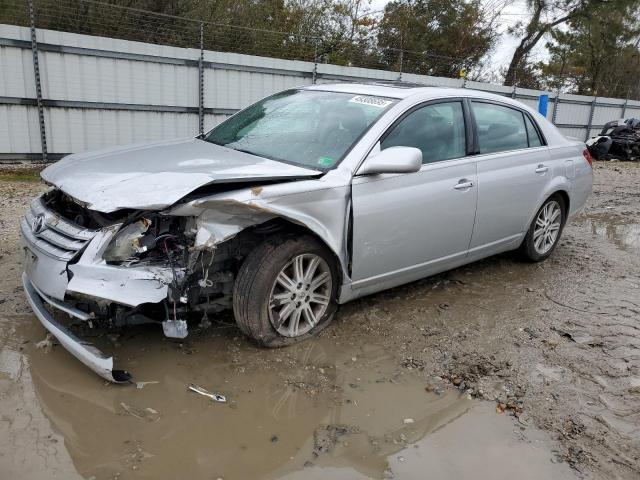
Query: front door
406, 226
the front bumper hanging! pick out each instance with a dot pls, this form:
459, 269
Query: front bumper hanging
82, 350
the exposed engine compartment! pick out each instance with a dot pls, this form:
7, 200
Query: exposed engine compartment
65, 206
201, 280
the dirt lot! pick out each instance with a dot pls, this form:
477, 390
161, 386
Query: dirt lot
500, 369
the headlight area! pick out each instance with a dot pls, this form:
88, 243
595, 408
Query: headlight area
148, 239
155, 243
199, 280
199, 283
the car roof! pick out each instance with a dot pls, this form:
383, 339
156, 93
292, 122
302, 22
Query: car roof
405, 90
401, 90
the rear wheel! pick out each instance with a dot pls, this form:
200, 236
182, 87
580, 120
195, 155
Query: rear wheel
545, 230
285, 290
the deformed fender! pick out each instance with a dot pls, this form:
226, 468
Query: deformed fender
311, 203
224, 219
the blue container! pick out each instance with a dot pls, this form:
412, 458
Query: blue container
543, 103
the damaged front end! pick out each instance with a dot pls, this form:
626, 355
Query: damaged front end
112, 270
130, 267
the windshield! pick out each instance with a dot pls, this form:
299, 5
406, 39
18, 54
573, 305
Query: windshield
308, 128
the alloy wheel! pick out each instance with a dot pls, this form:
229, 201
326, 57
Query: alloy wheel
547, 227
300, 295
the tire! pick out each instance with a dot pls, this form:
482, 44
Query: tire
534, 248
259, 288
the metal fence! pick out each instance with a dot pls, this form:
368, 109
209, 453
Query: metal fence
64, 92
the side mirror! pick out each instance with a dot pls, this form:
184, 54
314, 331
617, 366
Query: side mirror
393, 160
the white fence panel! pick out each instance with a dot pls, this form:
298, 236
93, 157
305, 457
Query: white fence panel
632, 111
235, 89
16, 73
19, 129
99, 92
77, 130
99, 79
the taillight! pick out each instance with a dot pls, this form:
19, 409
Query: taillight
587, 156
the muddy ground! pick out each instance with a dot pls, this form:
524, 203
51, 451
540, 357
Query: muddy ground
499, 369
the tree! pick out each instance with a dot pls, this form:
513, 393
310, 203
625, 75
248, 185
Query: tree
341, 29
560, 12
528, 75
531, 33
598, 54
438, 37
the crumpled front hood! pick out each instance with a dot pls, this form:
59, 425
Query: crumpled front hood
155, 176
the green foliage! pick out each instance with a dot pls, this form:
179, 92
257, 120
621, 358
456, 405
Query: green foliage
593, 47
544, 17
20, 175
598, 54
441, 37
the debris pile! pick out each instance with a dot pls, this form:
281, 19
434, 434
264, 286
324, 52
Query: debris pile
619, 139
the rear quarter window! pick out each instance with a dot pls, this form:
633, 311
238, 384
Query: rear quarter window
532, 133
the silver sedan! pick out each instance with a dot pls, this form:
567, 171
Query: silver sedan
307, 199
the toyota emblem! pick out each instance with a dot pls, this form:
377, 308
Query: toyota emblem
38, 224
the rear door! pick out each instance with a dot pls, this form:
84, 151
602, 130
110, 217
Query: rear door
406, 226
513, 168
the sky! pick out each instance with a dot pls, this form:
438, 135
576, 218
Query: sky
502, 53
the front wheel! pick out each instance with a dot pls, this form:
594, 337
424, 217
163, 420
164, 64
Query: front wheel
285, 290
545, 230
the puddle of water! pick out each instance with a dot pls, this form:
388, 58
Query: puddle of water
316, 410
479, 445
623, 231
29, 448
267, 428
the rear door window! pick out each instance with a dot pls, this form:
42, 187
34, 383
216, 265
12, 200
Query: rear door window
438, 130
499, 128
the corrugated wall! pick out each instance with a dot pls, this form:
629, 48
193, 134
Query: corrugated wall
101, 92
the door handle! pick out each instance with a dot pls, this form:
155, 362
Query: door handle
542, 168
463, 184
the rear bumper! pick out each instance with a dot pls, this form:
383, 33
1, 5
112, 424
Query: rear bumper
83, 351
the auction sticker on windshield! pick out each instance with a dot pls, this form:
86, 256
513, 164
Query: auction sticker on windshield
325, 161
373, 101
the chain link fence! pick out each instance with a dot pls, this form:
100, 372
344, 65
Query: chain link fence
115, 21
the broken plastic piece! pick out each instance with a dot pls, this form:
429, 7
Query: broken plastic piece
45, 344
216, 397
141, 385
175, 328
